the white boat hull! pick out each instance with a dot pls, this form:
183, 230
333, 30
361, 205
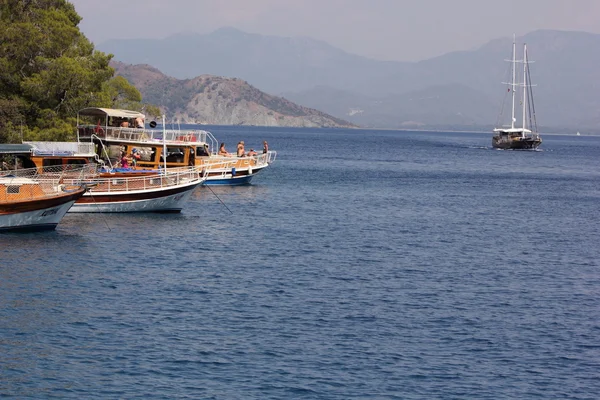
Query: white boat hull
41, 219
128, 202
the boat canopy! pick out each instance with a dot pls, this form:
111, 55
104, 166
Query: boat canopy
512, 130
15, 148
110, 112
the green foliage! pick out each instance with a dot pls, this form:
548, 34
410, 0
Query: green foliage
11, 112
49, 70
122, 94
151, 110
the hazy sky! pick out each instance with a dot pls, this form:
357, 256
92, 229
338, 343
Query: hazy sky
404, 30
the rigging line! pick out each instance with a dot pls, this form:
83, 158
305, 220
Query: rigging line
510, 87
498, 120
532, 105
101, 213
208, 186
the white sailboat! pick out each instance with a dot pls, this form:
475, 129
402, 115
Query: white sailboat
526, 136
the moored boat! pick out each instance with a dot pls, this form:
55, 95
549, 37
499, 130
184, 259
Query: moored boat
114, 131
111, 189
526, 136
164, 192
36, 200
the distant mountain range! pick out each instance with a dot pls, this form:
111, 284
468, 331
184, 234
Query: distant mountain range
210, 99
459, 89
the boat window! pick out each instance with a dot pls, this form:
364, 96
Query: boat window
147, 153
114, 151
13, 189
50, 162
174, 154
202, 151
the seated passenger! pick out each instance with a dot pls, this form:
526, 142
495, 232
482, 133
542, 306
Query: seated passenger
251, 153
223, 152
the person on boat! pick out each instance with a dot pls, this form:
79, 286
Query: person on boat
251, 153
135, 157
139, 122
204, 151
265, 147
125, 124
241, 152
124, 160
222, 151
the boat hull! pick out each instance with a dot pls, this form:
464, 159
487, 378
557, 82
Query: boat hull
516, 144
219, 177
230, 181
171, 200
36, 215
232, 178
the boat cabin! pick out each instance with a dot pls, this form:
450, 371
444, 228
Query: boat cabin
46, 154
115, 132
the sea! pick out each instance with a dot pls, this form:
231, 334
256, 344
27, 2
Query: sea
362, 264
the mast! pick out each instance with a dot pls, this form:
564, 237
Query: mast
524, 88
513, 83
164, 143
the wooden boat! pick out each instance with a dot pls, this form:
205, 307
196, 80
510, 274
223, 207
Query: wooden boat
164, 192
36, 200
513, 137
112, 190
102, 126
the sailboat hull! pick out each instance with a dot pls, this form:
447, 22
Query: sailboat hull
520, 143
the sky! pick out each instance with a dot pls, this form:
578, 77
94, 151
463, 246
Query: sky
399, 30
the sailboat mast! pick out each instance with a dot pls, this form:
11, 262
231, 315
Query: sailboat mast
524, 88
514, 81
164, 143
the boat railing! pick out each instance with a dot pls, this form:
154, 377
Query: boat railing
217, 163
260, 160
15, 189
213, 143
44, 182
79, 172
270, 156
142, 135
61, 148
171, 178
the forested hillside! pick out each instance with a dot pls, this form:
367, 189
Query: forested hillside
49, 70
217, 100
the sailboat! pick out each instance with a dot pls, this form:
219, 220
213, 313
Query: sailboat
526, 136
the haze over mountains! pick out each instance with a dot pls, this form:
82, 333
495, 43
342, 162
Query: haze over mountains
215, 100
459, 90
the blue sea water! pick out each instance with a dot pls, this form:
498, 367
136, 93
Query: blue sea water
361, 265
